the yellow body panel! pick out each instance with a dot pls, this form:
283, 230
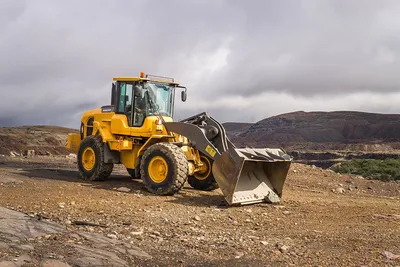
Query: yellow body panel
119, 125
155, 139
104, 130
120, 144
92, 112
73, 142
115, 131
129, 157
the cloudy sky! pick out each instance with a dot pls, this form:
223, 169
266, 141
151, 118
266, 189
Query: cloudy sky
241, 60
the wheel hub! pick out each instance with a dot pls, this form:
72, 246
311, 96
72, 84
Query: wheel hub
158, 169
205, 170
88, 159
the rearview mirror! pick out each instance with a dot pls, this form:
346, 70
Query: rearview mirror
183, 96
137, 90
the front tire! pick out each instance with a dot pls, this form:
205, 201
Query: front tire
164, 169
91, 159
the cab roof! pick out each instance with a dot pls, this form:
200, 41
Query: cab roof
147, 77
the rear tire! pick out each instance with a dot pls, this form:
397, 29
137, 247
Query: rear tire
91, 159
164, 169
204, 180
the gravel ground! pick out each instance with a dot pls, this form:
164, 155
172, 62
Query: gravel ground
325, 219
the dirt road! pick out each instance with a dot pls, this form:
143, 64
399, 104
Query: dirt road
325, 219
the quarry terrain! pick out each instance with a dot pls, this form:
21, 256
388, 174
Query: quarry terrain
51, 217
45, 140
325, 219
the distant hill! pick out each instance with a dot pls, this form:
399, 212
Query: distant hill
235, 128
303, 131
323, 130
43, 139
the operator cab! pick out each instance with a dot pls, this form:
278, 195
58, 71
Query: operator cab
144, 96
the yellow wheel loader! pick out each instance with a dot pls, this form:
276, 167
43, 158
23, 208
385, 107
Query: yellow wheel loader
137, 130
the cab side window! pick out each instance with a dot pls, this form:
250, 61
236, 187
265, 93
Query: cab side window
125, 101
121, 97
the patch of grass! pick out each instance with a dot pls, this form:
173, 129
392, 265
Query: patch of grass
384, 170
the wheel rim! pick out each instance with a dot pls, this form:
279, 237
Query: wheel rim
88, 158
158, 169
205, 170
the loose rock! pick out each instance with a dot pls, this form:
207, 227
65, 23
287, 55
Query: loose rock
389, 217
238, 254
71, 156
112, 236
138, 253
136, 233
157, 233
124, 189
14, 154
30, 153
282, 248
390, 256
340, 190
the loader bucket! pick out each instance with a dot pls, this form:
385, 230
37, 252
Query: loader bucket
249, 176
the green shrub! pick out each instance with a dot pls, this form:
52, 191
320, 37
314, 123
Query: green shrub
385, 170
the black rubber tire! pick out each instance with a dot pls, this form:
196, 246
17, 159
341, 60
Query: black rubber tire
101, 170
207, 184
132, 173
177, 169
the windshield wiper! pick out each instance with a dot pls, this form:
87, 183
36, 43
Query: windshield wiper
154, 107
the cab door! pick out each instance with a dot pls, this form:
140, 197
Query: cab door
125, 101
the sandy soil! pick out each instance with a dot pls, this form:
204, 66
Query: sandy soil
325, 219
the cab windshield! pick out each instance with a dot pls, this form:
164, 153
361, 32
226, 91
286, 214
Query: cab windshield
153, 99
159, 97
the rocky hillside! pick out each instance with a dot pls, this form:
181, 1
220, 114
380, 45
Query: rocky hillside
235, 128
43, 139
323, 130
303, 131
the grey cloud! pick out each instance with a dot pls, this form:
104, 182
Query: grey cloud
57, 58
334, 48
